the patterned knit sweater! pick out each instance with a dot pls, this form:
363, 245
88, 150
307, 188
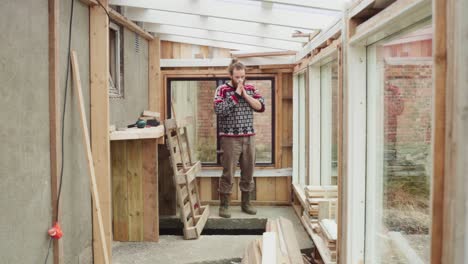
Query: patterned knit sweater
235, 115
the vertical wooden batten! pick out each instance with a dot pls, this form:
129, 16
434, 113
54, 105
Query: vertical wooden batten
54, 119
154, 76
99, 74
440, 69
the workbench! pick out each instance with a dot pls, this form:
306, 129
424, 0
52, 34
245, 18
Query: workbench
134, 174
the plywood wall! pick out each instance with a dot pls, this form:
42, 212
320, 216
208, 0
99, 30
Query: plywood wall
176, 50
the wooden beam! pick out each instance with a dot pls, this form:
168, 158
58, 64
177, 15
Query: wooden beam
262, 54
226, 37
123, 21
393, 18
254, 29
439, 144
89, 155
54, 120
264, 63
213, 43
332, 31
154, 75
100, 145
90, 2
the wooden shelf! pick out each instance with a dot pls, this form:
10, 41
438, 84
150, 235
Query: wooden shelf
137, 133
285, 172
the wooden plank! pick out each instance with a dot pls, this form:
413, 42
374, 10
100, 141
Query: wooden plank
266, 189
283, 189
135, 190
278, 120
166, 49
138, 133
90, 2
119, 190
264, 54
258, 173
127, 23
150, 190
441, 116
287, 231
54, 120
205, 189
154, 76
202, 221
103, 246
269, 245
151, 114
186, 51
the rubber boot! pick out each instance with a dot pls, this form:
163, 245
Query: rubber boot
246, 206
224, 205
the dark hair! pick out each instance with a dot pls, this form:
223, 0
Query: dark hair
235, 64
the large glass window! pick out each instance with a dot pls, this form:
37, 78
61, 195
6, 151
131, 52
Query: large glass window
329, 123
399, 159
194, 97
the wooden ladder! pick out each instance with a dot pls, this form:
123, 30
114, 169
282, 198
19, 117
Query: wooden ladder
193, 215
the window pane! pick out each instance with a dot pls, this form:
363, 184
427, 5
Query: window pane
329, 122
195, 98
263, 123
399, 158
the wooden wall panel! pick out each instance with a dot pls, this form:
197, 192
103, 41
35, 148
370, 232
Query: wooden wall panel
268, 190
175, 50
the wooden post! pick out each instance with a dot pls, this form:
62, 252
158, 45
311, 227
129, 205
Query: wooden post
99, 85
154, 76
54, 118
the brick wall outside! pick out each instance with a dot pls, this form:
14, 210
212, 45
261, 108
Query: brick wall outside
408, 113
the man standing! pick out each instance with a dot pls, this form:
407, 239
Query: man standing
234, 103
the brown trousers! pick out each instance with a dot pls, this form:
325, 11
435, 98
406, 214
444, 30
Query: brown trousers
242, 150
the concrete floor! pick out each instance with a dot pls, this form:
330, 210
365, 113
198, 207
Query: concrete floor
208, 248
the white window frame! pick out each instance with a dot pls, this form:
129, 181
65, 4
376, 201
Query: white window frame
299, 132
116, 90
398, 16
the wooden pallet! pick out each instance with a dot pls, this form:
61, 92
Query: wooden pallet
193, 215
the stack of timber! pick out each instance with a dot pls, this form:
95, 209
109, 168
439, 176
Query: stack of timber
193, 215
277, 246
320, 202
318, 218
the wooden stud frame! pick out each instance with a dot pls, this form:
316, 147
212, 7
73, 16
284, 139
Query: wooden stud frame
449, 225
100, 145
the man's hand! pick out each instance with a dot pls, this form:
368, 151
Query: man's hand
240, 88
